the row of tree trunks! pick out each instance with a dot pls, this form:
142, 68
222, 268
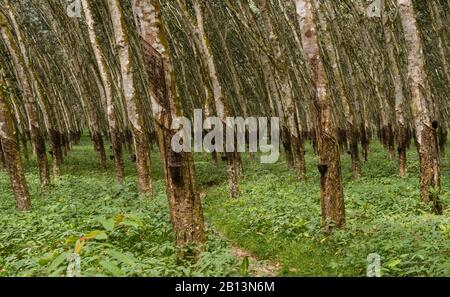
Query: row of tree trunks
19, 57
217, 91
293, 137
401, 130
116, 141
439, 27
277, 109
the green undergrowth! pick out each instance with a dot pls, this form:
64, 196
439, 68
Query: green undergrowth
277, 219
116, 231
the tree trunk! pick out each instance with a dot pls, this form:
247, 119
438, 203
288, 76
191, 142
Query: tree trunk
354, 153
332, 196
2, 157
286, 140
56, 151
443, 134
23, 139
100, 148
426, 138
401, 127
105, 76
179, 173
11, 152
351, 129
134, 106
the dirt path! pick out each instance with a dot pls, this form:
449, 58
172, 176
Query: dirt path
257, 268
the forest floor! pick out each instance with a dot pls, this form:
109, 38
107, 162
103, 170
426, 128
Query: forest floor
274, 228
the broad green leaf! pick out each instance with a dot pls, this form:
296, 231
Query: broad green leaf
122, 257
71, 239
108, 224
112, 268
45, 259
394, 263
101, 236
58, 261
131, 223
96, 234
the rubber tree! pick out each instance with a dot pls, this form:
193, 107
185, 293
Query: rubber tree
179, 172
342, 92
133, 102
331, 189
425, 126
11, 151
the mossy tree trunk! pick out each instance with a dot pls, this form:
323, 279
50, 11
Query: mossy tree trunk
133, 103
401, 130
425, 127
179, 173
11, 153
332, 196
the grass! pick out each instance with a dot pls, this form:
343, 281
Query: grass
129, 235
276, 218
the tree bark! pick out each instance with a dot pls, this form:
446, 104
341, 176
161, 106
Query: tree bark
2, 157
179, 173
332, 196
426, 138
402, 130
97, 139
134, 106
11, 152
